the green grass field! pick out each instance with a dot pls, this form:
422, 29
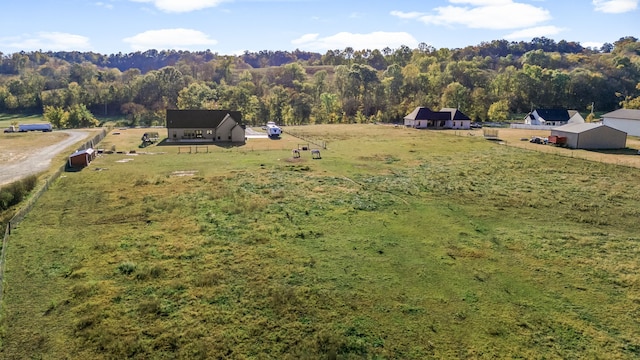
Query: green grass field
397, 244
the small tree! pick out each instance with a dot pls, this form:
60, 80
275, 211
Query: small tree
56, 116
499, 111
134, 112
80, 116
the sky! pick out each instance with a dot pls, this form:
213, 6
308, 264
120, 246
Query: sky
231, 27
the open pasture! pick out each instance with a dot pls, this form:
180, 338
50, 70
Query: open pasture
398, 243
515, 137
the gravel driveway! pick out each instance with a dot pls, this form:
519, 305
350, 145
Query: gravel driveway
39, 159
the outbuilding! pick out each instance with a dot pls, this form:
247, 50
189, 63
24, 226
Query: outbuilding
591, 136
81, 158
627, 120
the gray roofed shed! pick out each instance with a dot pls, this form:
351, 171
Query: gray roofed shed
591, 136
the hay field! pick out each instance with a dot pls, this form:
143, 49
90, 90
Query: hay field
397, 244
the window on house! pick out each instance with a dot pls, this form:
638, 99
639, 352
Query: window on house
189, 134
198, 134
209, 132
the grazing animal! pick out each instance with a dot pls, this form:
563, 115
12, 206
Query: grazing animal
296, 153
315, 154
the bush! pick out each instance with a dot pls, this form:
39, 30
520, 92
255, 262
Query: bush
12, 194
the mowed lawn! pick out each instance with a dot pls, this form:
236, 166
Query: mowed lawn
397, 244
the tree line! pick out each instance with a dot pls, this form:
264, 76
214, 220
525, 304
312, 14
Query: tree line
491, 81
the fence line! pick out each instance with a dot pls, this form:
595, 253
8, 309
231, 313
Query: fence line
26, 207
532, 127
319, 143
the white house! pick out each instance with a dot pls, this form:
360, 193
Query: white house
205, 126
553, 117
627, 120
447, 118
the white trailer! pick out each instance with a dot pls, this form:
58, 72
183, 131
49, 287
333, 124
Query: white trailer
273, 130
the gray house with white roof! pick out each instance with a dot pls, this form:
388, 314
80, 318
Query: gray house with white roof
627, 120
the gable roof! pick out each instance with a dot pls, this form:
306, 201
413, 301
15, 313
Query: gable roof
199, 119
577, 128
553, 114
456, 114
424, 113
419, 113
626, 114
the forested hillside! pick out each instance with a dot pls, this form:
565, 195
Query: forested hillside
490, 81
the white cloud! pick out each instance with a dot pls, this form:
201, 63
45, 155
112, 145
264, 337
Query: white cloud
481, 2
592, 44
615, 6
374, 40
407, 15
533, 32
482, 14
180, 6
176, 39
45, 41
104, 5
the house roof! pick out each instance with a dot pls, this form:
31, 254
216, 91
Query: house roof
627, 114
424, 113
456, 114
577, 128
553, 114
199, 119
419, 113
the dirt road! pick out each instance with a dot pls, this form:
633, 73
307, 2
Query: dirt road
39, 159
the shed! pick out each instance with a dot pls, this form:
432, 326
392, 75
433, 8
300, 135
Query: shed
591, 136
81, 158
627, 120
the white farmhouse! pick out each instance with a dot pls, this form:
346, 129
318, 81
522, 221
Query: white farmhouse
553, 117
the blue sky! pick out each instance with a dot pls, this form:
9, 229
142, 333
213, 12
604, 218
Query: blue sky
233, 26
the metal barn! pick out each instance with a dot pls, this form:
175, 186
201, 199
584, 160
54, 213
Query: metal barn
591, 136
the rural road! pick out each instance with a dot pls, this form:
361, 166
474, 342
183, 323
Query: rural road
39, 159
253, 134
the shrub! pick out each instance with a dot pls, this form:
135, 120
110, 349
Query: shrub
127, 268
12, 194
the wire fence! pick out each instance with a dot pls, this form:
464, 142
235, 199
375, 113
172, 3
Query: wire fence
26, 207
316, 142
